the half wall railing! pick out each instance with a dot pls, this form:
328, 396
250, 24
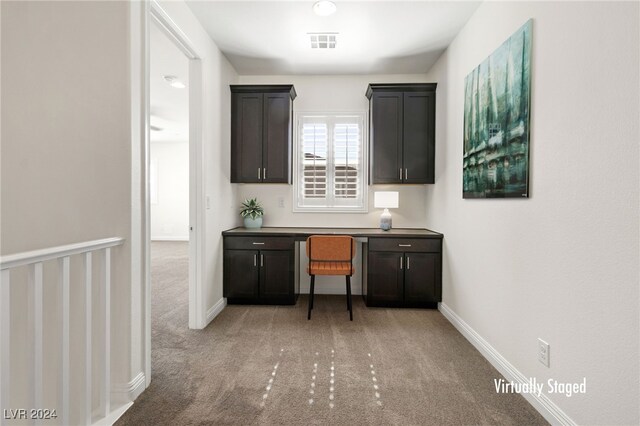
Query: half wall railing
94, 354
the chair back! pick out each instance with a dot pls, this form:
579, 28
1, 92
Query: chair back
331, 248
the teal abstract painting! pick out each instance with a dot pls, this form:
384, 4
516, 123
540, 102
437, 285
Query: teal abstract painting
497, 96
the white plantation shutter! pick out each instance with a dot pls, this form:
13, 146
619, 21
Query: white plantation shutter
346, 154
315, 141
330, 166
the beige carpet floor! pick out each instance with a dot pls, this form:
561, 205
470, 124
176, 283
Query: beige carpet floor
269, 365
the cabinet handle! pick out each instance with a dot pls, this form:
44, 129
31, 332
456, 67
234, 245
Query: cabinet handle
399, 245
259, 173
264, 173
400, 262
406, 174
258, 244
400, 173
261, 260
255, 260
408, 263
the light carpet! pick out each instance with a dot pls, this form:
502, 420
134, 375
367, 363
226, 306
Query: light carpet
269, 365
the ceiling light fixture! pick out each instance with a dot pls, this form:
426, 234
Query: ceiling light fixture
174, 81
324, 8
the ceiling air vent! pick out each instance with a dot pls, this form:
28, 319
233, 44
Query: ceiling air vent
323, 40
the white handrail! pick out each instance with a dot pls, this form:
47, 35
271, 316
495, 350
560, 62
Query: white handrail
29, 257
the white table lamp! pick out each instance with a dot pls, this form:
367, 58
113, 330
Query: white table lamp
385, 200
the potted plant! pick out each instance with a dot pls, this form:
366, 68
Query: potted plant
252, 213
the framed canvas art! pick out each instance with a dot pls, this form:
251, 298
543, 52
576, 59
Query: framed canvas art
497, 98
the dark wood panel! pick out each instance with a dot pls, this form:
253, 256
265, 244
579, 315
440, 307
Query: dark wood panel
246, 137
386, 137
402, 133
431, 138
277, 276
420, 277
264, 88
276, 148
261, 117
385, 279
385, 283
405, 244
300, 232
241, 273
396, 87
258, 243
418, 137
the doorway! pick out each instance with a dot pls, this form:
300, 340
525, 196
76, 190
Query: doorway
173, 175
168, 184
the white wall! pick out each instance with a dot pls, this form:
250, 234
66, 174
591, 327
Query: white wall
67, 159
170, 216
333, 94
66, 165
563, 264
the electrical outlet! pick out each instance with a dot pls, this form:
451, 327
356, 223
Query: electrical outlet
281, 202
543, 352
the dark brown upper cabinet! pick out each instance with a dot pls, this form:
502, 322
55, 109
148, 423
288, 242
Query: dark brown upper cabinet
261, 120
402, 133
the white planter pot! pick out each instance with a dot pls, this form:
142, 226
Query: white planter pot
253, 223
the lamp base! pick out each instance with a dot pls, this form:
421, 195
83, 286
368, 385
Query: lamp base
385, 220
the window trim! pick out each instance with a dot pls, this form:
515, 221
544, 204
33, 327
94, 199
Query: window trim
300, 115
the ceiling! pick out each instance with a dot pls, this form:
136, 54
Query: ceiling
375, 37
169, 106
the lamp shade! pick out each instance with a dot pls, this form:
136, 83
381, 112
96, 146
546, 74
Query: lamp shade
385, 199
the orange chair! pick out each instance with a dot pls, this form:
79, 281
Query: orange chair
331, 255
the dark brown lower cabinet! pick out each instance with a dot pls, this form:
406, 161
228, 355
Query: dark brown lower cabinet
241, 276
399, 278
420, 282
385, 278
276, 277
264, 276
398, 271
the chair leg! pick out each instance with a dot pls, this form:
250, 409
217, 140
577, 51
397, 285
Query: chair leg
313, 288
348, 306
349, 303
313, 281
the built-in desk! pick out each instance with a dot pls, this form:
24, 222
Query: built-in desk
401, 267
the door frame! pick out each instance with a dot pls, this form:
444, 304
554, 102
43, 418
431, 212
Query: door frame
156, 15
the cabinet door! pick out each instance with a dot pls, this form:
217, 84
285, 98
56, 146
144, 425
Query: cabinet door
384, 280
246, 137
276, 148
420, 277
276, 276
241, 274
386, 137
419, 137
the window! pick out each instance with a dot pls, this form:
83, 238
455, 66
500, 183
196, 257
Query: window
330, 167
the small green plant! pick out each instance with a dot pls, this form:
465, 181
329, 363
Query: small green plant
251, 208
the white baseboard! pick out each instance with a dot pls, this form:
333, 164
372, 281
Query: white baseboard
213, 311
169, 238
128, 392
550, 411
113, 416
